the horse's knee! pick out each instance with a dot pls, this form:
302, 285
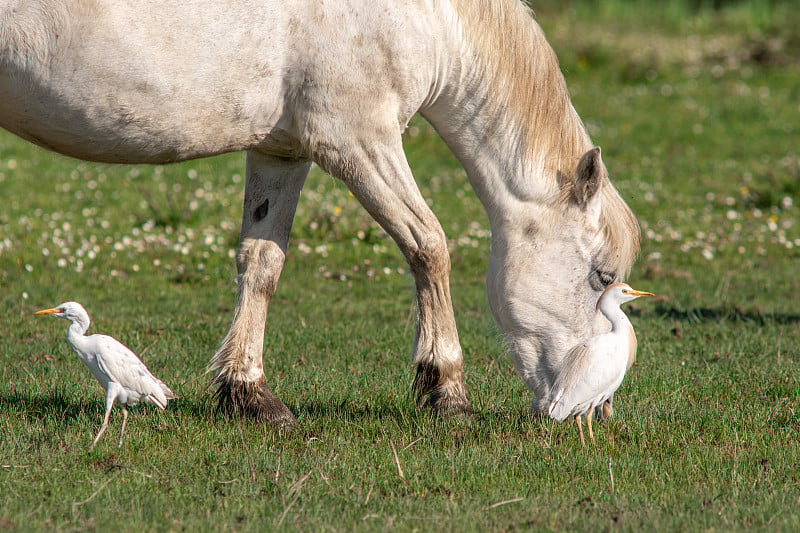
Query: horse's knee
428, 255
259, 264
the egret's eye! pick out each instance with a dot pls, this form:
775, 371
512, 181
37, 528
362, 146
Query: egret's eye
600, 279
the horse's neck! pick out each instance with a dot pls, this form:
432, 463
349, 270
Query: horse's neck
483, 155
514, 156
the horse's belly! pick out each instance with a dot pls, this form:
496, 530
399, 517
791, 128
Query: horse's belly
112, 130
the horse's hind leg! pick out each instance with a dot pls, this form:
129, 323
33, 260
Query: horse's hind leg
271, 193
378, 175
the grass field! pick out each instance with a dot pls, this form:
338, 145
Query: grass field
698, 114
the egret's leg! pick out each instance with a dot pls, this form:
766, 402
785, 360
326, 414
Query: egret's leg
102, 430
378, 175
589, 424
580, 430
110, 397
124, 421
271, 193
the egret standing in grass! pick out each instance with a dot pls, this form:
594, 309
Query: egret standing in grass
116, 367
595, 368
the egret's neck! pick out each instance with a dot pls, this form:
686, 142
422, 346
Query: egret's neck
619, 320
77, 330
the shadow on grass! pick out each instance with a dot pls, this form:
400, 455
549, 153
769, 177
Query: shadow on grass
408, 415
348, 411
61, 405
312, 412
733, 314
203, 407
57, 404
48, 405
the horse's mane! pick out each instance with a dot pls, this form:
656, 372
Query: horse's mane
621, 231
527, 86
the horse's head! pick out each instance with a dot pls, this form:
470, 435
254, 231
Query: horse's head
549, 265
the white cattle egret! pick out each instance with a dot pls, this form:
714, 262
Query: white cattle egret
595, 368
117, 368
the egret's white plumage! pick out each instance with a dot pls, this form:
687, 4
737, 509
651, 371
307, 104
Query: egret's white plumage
595, 368
123, 375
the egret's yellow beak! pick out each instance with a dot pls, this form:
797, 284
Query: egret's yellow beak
49, 311
634, 292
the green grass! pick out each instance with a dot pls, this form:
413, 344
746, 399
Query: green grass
697, 111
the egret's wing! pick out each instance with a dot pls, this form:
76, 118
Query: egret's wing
579, 359
124, 367
590, 372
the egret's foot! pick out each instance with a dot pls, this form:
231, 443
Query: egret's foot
443, 396
124, 421
253, 400
99, 434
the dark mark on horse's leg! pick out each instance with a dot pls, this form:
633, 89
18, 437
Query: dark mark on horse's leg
261, 211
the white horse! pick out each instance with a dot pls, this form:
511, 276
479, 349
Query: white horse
336, 82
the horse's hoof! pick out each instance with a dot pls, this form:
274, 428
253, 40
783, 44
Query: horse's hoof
444, 398
255, 401
448, 407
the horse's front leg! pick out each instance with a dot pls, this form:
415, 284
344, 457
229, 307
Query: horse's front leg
272, 191
378, 175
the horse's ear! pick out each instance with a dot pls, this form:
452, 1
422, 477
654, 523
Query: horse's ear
589, 179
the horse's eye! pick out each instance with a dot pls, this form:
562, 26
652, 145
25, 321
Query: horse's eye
601, 279
606, 278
